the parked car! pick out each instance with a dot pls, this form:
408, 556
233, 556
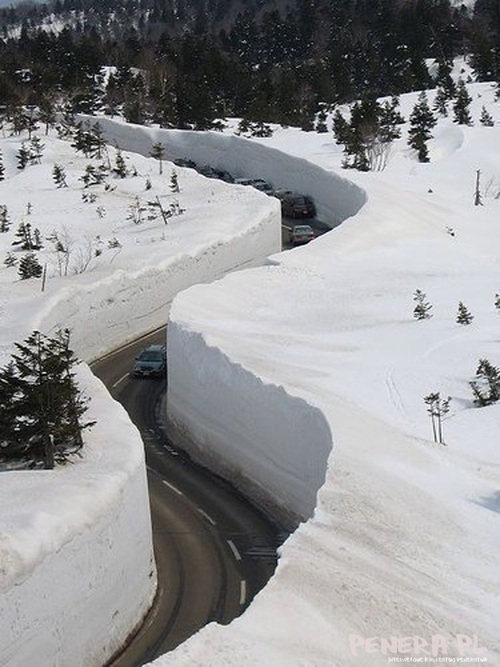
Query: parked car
184, 162
151, 362
302, 234
298, 206
243, 181
263, 186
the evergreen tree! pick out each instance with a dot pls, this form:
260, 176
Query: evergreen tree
59, 176
36, 150
461, 106
421, 123
321, 127
341, 128
23, 156
174, 182
497, 301
40, 402
158, 153
24, 237
486, 118
29, 267
4, 219
2, 168
120, 168
10, 260
463, 315
440, 102
423, 307
486, 386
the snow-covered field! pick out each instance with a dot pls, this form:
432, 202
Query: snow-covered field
76, 565
331, 370
405, 538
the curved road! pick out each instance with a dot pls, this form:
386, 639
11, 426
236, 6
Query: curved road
214, 551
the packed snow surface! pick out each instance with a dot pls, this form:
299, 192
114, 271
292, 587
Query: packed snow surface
405, 537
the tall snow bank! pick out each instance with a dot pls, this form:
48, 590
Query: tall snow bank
67, 537
272, 446
336, 198
403, 546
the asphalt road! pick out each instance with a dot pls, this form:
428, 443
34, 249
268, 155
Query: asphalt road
214, 551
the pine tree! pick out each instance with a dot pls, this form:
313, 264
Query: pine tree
486, 118
461, 106
422, 308
23, 156
120, 168
36, 150
440, 102
463, 315
341, 128
2, 168
497, 301
158, 153
174, 182
486, 386
24, 237
59, 176
29, 267
4, 219
40, 402
421, 123
321, 127
10, 260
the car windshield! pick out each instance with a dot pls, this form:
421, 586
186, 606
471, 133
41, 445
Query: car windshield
302, 230
151, 355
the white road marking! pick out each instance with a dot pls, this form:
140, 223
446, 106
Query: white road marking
120, 380
174, 488
207, 517
243, 591
233, 548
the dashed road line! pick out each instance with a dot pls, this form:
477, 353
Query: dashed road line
243, 591
113, 386
206, 516
233, 548
174, 488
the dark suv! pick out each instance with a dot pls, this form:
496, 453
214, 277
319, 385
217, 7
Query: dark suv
298, 206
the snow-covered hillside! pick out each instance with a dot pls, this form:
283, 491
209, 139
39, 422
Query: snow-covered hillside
77, 571
404, 541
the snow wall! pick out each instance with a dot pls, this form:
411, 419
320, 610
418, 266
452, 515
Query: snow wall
77, 573
240, 426
106, 306
335, 197
76, 578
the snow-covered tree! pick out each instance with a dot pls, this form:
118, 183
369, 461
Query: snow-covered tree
461, 113
174, 182
463, 314
41, 406
23, 156
158, 153
486, 119
4, 219
29, 267
486, 386
421, 123
59, 176
422, 307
